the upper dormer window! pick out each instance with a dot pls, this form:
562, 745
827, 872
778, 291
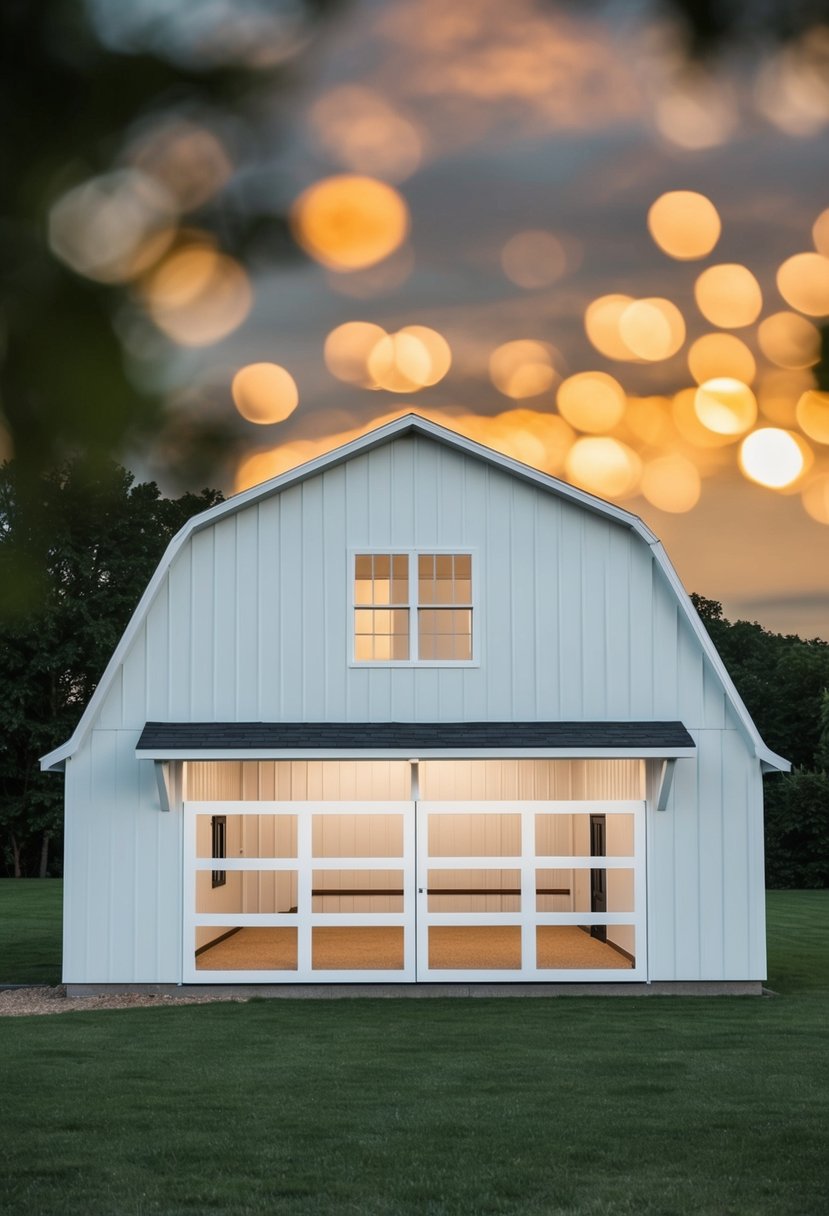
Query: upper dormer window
413, 607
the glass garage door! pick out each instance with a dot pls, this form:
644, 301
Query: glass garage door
335, 892
530, 891
299, 892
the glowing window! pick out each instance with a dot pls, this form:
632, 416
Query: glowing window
413, 607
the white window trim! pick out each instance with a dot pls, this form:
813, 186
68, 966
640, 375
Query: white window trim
413, 605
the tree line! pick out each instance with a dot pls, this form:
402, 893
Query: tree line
79, 545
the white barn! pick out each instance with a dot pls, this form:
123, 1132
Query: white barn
415, 713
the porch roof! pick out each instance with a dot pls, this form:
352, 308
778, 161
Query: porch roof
180, 740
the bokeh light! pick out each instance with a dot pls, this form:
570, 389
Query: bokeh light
726, 406
437, 348
362, 131
113, 227
190, 160
197, 295
649, 420
696, 112
778, 393
820, 233
603, 466
688, 424
684, 224
522, 368
815, 499
347, 349
653, 329
591, 401
350, 221
812, 413
715, 355
728, 295
400, 363
602, 320
789, 340
772, 457
264, 393
671, 483
534, 259
803, 282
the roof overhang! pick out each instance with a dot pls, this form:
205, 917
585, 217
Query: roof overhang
405, 740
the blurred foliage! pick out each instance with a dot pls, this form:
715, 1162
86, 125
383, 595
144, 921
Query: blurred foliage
70, 99
783, 681
84, 557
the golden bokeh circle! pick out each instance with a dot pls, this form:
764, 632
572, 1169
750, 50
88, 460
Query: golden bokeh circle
772, 457
264, 393
591, 401
684, 224
803, 282
728, 295
350, 221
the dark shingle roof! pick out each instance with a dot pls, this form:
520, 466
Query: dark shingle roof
413, 736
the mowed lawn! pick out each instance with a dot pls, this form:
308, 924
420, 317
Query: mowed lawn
571, 1106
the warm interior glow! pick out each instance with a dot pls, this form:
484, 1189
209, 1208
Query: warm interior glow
715, 355
789, 340
684, 224
534, 259
602, 321
264, 392
671, 483
347, 349
591, 401
362, 131
816, 499
725, 406
603, 466
653, 328
350, 221
197, 295
812, 413
771, 457
522, 368
728, 295
114, 227
803, 282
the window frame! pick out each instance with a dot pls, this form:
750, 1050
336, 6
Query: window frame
412, 553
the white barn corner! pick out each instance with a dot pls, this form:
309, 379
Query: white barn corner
414, 713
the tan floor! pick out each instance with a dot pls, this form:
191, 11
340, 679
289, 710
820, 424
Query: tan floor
461, 947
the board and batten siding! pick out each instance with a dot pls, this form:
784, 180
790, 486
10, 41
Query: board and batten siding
573, 618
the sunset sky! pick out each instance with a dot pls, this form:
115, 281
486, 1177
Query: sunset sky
509, 157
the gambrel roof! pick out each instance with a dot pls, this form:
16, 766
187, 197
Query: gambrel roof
412, 424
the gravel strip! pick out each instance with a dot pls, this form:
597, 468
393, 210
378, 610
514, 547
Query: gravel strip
23, 1002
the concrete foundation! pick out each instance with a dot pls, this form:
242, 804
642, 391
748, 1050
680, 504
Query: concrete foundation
391, 991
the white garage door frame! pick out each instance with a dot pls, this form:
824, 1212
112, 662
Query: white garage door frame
415, 919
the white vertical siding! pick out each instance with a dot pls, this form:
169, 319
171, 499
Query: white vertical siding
573, 621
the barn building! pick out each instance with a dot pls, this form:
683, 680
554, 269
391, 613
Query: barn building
414, 713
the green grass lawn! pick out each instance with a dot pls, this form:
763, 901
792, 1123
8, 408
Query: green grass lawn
582, 1107
30, 931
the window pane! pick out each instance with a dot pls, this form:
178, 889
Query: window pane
463, 566
358, 948
382, 565
426, 565
475, 947
362, 566
248, 891
443, 565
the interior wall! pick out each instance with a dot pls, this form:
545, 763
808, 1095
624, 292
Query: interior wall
440, 780
485, 780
